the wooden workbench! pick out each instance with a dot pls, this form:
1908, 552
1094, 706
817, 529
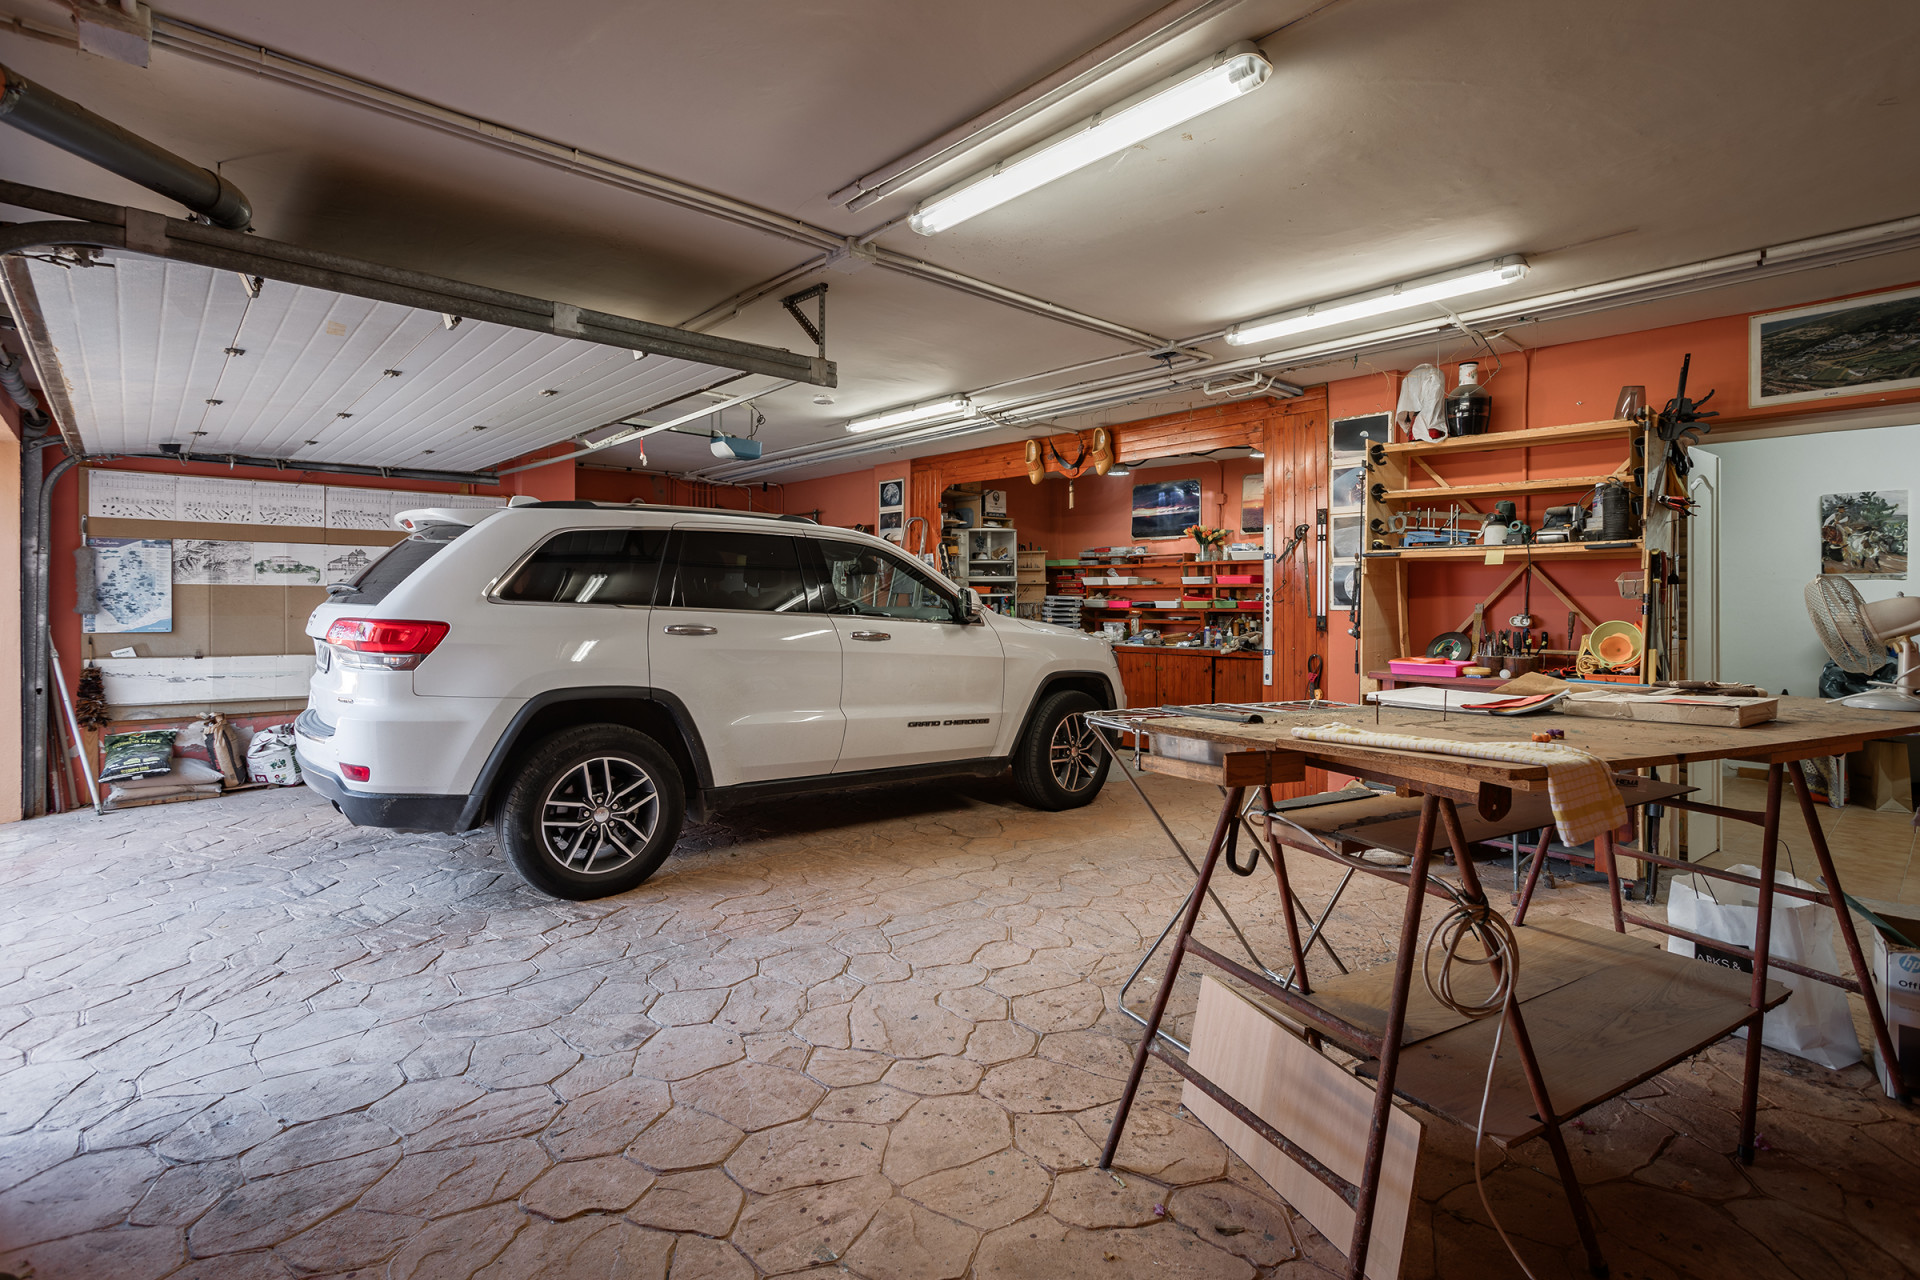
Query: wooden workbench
1593, 1012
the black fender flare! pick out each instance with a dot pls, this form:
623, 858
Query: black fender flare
476, 802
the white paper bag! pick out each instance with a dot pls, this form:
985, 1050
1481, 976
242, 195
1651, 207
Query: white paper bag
270, 757
1814, 1023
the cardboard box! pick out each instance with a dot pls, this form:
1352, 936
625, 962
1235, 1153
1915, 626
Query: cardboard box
1896, 969
1878, 777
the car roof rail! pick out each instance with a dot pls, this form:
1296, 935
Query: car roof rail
578, 503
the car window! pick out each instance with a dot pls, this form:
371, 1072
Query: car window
590, 566
377, 580
864, 580
715, 569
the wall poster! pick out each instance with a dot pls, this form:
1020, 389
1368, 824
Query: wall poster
1165, 509
1864, 535
1849, 348
133, 585
893, 514
1253, 503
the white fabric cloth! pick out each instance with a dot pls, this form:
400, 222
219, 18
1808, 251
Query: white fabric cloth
1422, 409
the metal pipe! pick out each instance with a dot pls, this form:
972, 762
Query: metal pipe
31, 414
72, 721
37, 719
37, 110
333, 468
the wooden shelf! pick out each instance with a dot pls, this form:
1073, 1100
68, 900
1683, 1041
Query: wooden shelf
1516, 552
1575, 434
1497, 488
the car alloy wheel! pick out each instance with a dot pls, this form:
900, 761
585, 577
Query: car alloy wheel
1073, 753
599, 815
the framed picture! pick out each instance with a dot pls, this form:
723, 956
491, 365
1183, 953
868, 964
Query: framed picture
1851, 348
1348, 491
1351, 436
1253, 503
1864, 535
1346, 536
1166, 509
1346, 583
889, 520
893, 494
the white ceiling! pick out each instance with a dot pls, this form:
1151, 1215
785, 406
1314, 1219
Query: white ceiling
1396, 137
160, 352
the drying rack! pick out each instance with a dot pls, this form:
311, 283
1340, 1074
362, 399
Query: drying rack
1610, 1011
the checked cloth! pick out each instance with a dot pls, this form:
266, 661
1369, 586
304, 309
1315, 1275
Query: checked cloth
1585, 801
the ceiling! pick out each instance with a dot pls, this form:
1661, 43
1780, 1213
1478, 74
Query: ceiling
1395, 138
160, 352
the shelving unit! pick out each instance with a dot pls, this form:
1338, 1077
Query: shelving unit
987, 562
1136, 586
1030, 591
1409, 474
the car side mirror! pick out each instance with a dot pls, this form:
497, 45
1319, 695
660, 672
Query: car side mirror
966, 610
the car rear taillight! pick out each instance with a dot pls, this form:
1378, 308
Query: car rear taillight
389, 644
355, 772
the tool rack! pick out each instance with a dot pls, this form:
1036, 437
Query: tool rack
1594, 1012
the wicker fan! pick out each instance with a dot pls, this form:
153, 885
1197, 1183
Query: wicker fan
1856, 635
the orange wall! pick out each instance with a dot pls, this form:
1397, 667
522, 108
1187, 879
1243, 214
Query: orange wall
1555, 386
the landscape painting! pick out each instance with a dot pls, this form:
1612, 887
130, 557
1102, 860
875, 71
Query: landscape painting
1166, 509
1864, 535
1860, 346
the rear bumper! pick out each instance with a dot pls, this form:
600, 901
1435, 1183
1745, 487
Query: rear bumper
366, 809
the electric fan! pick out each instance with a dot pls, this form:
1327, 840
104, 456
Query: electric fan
1856, 635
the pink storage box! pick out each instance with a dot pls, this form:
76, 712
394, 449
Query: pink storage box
1234, 579
1426, 666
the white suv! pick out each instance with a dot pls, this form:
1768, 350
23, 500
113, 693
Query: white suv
583, 673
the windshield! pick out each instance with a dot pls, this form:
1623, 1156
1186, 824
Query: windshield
375, 582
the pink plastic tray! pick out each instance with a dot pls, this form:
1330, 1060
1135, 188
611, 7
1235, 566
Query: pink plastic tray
1426, 666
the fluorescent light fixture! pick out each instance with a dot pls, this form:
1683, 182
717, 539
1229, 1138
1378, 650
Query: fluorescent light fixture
1397, 297
951, 407
1199, 89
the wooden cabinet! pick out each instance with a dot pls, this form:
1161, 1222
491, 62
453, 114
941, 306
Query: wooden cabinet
1236, 679
1157, 677
1183, 677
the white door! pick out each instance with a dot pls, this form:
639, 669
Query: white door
917, 687
735, 643
1703, 624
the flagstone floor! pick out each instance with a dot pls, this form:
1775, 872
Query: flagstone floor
871, 1036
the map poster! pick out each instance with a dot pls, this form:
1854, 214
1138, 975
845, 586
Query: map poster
133, 585
206, 562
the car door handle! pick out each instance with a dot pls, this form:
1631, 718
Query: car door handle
688, 629
871, 635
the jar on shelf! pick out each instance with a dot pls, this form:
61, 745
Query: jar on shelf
1469, 405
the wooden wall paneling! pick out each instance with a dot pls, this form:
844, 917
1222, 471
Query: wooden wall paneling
1236, 680
1183, 678
1137, 674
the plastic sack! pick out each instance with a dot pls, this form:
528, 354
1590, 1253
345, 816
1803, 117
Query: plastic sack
1813, 1023
126, 756
270, 757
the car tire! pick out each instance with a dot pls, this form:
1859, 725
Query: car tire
1059, 764
630, 802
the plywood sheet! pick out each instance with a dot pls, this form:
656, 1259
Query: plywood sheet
1804, 727
172, 681
1317, 1105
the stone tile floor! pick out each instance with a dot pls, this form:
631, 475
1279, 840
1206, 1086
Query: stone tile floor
868, 1036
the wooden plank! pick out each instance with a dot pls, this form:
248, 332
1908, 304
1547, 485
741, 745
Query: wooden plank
1234, 769
1271, 1072
1595, 1038
1500, 487
1538, 550
1805, 727
1725, 712
1553, 953
142, 682
1530, 438
1440, 480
